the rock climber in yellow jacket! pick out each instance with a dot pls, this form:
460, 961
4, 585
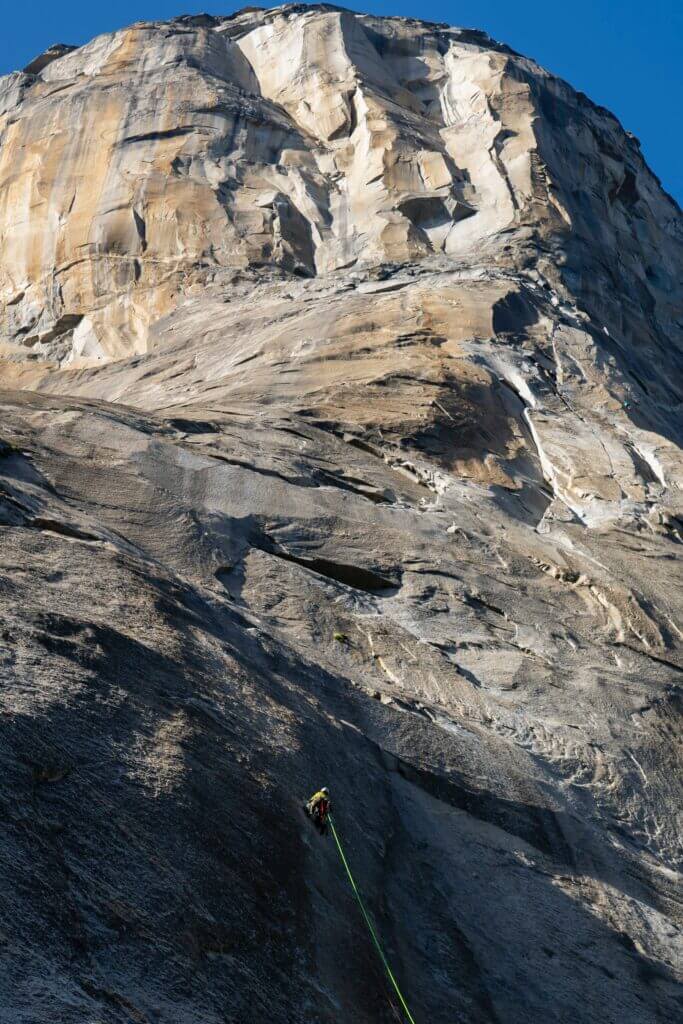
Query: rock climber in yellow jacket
318, 808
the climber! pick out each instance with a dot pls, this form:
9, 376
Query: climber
318, 808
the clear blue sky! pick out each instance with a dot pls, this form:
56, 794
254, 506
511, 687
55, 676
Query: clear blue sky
626, 55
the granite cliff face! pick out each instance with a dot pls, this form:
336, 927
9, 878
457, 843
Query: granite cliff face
341, 443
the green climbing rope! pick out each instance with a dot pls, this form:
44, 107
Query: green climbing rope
371, 927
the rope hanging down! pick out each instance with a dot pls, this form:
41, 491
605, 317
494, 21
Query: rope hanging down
371, 927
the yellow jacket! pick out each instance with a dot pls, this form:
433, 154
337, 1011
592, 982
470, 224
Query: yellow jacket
317, 797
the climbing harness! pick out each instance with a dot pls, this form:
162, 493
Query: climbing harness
371, 927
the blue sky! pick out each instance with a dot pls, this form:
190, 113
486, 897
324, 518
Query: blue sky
627, 56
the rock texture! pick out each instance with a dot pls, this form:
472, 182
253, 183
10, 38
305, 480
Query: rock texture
341, 443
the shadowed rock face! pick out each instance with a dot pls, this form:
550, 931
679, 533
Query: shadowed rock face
340, 445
